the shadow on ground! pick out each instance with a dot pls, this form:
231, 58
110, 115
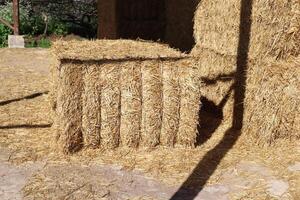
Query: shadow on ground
211, 160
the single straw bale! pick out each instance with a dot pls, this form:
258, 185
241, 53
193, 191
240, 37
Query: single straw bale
131, 104
69, 107
171, 101
152, 103
110, 105
275, 27
91, 108
190, 104
272, 104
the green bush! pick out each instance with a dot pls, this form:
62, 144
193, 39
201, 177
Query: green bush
44, 43
57, 28
5, 14
4, 32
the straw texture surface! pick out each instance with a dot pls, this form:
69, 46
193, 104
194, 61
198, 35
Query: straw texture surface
112, 50
91, 108
69, 107
275, 27
131, 104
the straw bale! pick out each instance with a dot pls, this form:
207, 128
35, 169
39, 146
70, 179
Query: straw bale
69, 107
272, 105
171, 101
189, 104
152, 103
217, 73
110, 105
131, 104
91, 108
275, 29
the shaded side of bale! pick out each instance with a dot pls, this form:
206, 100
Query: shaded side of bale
171, 101
272, 105
275, 27
91, 110
131, 104
69, 107
152, 103
110, 105
190, 104
217, 73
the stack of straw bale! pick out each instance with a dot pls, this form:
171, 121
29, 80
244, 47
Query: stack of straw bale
125, 93
271, 106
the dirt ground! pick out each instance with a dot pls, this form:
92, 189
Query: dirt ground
32, 168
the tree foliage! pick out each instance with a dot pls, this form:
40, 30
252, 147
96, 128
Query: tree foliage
55, 16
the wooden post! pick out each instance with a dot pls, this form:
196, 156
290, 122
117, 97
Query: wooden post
107, 19
16, 17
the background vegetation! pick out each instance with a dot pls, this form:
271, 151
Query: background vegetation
44, 20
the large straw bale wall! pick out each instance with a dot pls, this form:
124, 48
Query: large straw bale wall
125, 101
271, 106
275, 27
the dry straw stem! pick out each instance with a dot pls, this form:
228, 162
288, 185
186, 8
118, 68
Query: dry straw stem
131, 104
91, 108
152, 103
275, 28
217, 73
189, 104
110, 105
273, 101
69, 107
171, 101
